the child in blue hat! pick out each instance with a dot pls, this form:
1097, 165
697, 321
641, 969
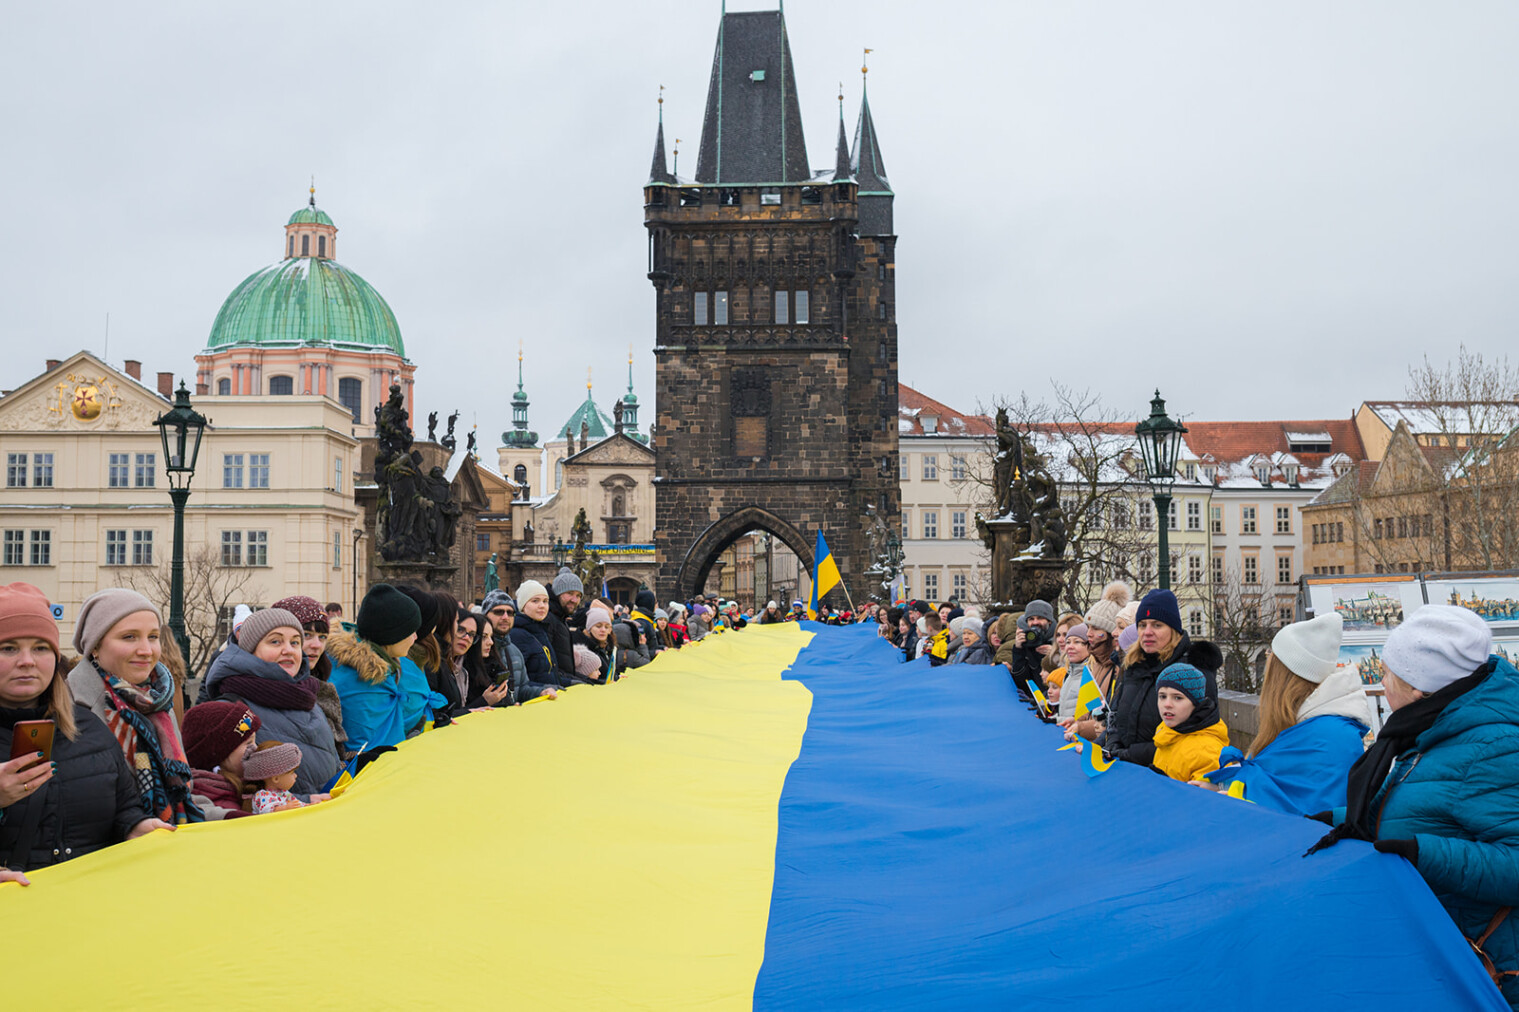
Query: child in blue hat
1191, 733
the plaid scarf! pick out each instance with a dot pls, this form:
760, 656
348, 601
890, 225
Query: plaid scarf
142, 719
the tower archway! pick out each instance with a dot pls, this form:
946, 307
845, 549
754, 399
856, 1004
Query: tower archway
712, 542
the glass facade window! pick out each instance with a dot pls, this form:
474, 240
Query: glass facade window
115, 548
118, 472
142, 548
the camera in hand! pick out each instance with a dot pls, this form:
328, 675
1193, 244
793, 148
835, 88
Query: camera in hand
1037, 636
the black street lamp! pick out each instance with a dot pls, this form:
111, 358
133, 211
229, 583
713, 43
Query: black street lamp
1160, 444
180, 428
358, 535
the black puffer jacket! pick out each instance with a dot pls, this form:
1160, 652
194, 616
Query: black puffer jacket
558, 624
1136, 713
91, 802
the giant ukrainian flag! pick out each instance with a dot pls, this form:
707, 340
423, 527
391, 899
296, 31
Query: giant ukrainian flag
784, 818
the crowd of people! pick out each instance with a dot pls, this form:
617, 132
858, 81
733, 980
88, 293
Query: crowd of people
1438, 785
296, 697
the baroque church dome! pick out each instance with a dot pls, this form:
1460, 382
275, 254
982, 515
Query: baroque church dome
307, 299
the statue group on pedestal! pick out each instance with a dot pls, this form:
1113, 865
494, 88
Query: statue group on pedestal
417, 514
1026, 494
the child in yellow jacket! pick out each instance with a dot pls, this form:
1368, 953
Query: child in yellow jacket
1191, 734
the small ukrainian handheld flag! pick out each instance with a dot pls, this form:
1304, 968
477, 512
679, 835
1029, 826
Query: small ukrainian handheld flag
1088, 696
825, 574
338, 784
1040, 699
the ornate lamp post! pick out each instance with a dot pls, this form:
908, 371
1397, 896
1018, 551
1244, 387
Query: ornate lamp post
1160, 443
180, 428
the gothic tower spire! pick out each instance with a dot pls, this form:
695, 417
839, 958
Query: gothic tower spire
659, 172
752, 132
519, 436
870, 171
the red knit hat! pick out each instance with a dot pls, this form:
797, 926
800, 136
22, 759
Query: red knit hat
212, 730
307, 609
24, 611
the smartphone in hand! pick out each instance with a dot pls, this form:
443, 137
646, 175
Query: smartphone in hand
29, 737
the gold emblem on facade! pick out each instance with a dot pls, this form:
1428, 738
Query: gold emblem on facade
86, 403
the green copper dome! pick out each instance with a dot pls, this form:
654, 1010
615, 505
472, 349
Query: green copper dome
597, 423
310, 215
306, 301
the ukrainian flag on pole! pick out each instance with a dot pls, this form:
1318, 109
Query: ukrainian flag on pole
825, 574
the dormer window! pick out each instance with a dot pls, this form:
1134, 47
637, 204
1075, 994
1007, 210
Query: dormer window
1263, 473
1289, 472
1339, 464
1209, 472
1189, 471
930, 424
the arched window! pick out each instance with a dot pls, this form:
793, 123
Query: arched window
351, 395
224, 386
290, 246
321, 245
281, 386
558, 473
519, 474
305, 245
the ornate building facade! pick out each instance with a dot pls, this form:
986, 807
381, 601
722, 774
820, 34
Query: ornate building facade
775, 333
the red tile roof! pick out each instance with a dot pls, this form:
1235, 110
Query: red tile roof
1234, 441
911, 405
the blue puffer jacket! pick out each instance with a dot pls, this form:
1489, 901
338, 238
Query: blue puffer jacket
1457, 793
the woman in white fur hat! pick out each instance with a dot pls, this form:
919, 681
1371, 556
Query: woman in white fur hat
1313, 717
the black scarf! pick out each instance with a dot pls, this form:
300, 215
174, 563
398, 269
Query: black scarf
1398, 735
1204, 714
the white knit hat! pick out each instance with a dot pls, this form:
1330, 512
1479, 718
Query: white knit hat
1437, 645
528, 590
1311, 649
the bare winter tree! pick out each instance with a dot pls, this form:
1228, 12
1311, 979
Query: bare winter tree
211, 592
1244, 620
1471, 407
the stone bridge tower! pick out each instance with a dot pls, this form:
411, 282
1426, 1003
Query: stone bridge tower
776, 338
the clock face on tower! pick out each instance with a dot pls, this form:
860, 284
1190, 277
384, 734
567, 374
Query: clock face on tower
86, 403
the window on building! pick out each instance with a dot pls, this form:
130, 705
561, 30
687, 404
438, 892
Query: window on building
281, 386
118, 472
1171, 516
15, 470
1194, 621
1316, 528
519, 474
351, 395
782, 307
699, 312
1285, 613
42, 548
1247, 520
1376, 529
1194, 569
931, 586
957, 526
906, 465
15, 548
1216, 519
145, 470
1146, 516
1194, 516
142, 548
1289, 472
1189, 471
930, 523
1339, 531
1263, 473
482, 541
1402, 527
232, 548
258, 548
906, 525
258, 470
1218, 570
957, 468
321, 245
337, 549
290, 246
337, 474
224, 385
959, 583
1146, 568
1175, 567
1284, 520
1251, 571
305, 245
1284, 569
232, 470
720, 309
1120, 515
930, 467
115, 548
559, 473
800, 303
42, 470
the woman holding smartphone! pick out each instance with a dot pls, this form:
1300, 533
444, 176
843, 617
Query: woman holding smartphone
81, 796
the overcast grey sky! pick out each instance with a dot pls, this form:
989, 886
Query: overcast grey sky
1267, 209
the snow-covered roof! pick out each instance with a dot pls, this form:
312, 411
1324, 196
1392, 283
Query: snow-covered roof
1453, 417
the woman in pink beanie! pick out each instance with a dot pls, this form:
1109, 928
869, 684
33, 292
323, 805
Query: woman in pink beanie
86, 776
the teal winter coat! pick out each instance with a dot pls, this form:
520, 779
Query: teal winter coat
1456, 792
